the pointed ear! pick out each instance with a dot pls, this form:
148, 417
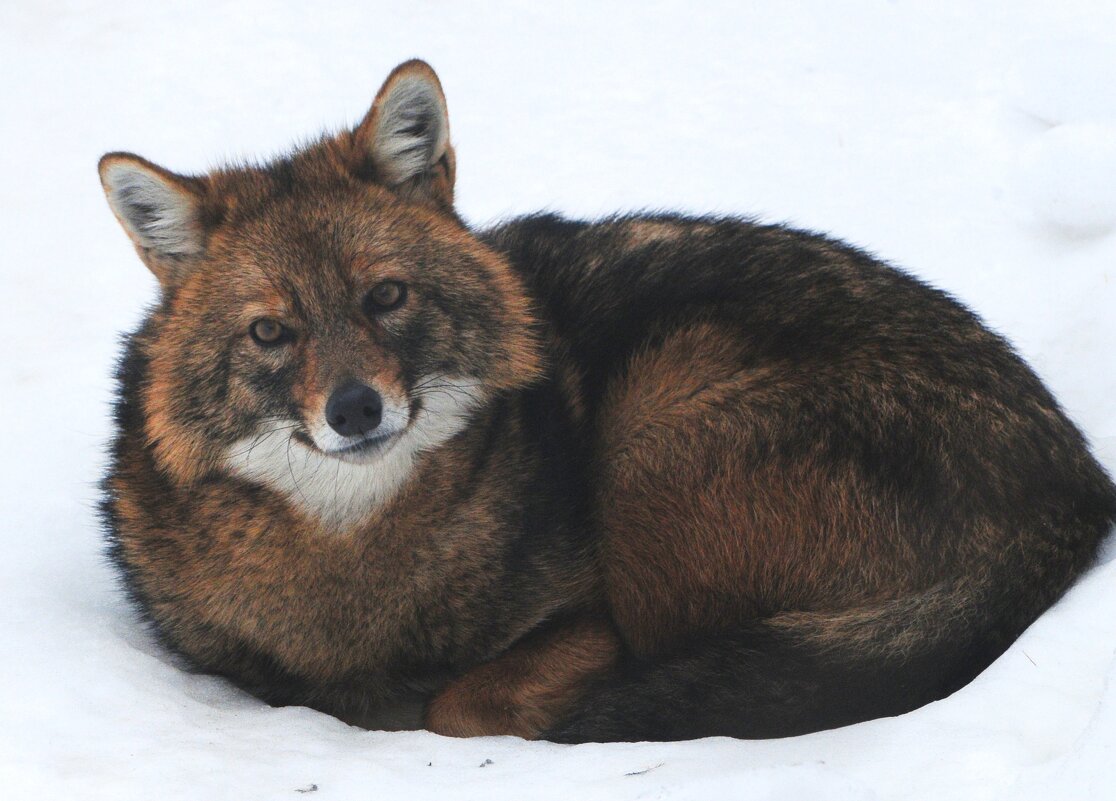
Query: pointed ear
403, 141
161, 212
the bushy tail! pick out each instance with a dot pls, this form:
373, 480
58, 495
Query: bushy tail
800, 672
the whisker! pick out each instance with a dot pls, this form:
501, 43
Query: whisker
294, 478
258, 440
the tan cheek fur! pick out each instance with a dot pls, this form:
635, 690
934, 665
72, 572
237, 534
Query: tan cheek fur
185, 454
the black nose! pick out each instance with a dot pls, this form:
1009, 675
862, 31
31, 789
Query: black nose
354, 409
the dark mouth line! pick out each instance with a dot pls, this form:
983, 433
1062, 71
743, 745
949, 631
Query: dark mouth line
369, 444
364, 445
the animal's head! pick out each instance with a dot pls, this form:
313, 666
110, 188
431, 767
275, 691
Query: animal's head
325, 317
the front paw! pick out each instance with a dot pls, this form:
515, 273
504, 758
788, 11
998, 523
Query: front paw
531, 686
472, 707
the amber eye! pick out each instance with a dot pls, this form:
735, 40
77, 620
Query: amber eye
385, 296
267, 331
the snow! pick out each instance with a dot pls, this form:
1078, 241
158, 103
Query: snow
1068, 179
974, 143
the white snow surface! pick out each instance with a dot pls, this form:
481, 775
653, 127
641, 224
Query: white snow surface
974, 143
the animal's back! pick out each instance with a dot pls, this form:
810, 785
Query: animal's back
803, 453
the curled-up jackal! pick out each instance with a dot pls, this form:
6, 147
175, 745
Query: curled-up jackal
647, 478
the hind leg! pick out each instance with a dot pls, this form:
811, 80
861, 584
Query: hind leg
716, 510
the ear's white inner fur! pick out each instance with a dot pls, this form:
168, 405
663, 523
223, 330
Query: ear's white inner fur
339, 493
412, 131
161, 216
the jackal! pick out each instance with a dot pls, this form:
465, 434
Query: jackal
653, 477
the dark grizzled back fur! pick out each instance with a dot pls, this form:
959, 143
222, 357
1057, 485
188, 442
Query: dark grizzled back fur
997, 503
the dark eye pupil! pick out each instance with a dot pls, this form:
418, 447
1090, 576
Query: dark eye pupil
385, 296
266, 331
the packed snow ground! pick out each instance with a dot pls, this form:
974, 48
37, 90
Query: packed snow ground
973, 143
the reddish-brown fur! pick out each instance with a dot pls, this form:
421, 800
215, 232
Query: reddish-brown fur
696, 536
527, 689
712, 477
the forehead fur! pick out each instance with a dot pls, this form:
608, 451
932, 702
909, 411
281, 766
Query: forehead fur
307, 224
328, 167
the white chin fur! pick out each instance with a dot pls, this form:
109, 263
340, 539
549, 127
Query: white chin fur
340, 492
